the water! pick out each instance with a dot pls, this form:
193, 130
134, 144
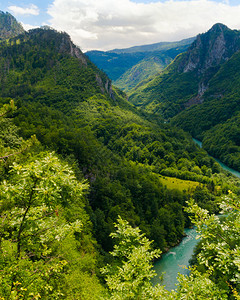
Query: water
174, 261
225, 167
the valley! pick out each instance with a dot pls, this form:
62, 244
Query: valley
89, 174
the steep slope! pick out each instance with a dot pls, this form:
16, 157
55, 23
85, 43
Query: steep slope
118, 63
184, 82
151, 65
71, 106
9, 27
141, 71
216, 120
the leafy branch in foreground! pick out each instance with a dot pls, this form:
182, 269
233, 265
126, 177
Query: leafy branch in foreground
220, 244
130, 277
35, 225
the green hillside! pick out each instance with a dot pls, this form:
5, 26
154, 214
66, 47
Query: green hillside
215, 121
200, 90
78, 162
72, 108
184, 82
141, 71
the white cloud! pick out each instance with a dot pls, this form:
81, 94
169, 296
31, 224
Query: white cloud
108, 24
28, 26
32, 9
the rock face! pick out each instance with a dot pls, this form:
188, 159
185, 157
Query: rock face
9, 27
207, 53
211, 49
187, 81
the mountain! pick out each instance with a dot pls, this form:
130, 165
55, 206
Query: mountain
199, 90
147, 67
153, 63
183, 83
9, 26
127, 67
162, 46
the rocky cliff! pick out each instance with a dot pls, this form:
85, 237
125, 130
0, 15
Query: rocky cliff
210, 49
9, 27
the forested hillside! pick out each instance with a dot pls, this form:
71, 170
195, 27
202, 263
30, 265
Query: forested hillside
199, 90
110, 160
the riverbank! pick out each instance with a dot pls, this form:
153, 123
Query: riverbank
177, 258
225, 167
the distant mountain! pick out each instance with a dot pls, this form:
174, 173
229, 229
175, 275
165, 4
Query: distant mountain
9, 26
162, 46
121, 65
147, 67
114, 64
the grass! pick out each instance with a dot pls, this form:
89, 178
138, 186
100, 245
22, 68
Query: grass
179, 184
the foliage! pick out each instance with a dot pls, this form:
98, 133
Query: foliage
42, 210
220, 253
130, 277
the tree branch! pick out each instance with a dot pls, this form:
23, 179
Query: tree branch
12, 154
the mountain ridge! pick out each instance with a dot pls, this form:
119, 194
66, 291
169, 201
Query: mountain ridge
196, 66
154, 47
9, 26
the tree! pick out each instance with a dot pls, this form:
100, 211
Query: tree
129, 277
220, 245
42, 213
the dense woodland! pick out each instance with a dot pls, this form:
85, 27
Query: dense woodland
86, 180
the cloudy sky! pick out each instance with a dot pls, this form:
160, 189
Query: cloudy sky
109, 24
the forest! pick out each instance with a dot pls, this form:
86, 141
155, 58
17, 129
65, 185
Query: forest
87, 180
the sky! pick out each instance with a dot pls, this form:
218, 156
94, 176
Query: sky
111, 24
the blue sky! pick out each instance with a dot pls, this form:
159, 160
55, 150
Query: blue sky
108, 24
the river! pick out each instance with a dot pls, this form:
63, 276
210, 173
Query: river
225, 167
176, 258
174, 261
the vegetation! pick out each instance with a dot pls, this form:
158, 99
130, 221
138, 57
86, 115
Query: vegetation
71, 107
45, 229
74, 156
199, 92
216, 275
216, 119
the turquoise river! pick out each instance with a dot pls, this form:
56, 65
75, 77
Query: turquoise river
176, 259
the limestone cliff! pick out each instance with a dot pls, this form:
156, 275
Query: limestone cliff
211, 49
9, 27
